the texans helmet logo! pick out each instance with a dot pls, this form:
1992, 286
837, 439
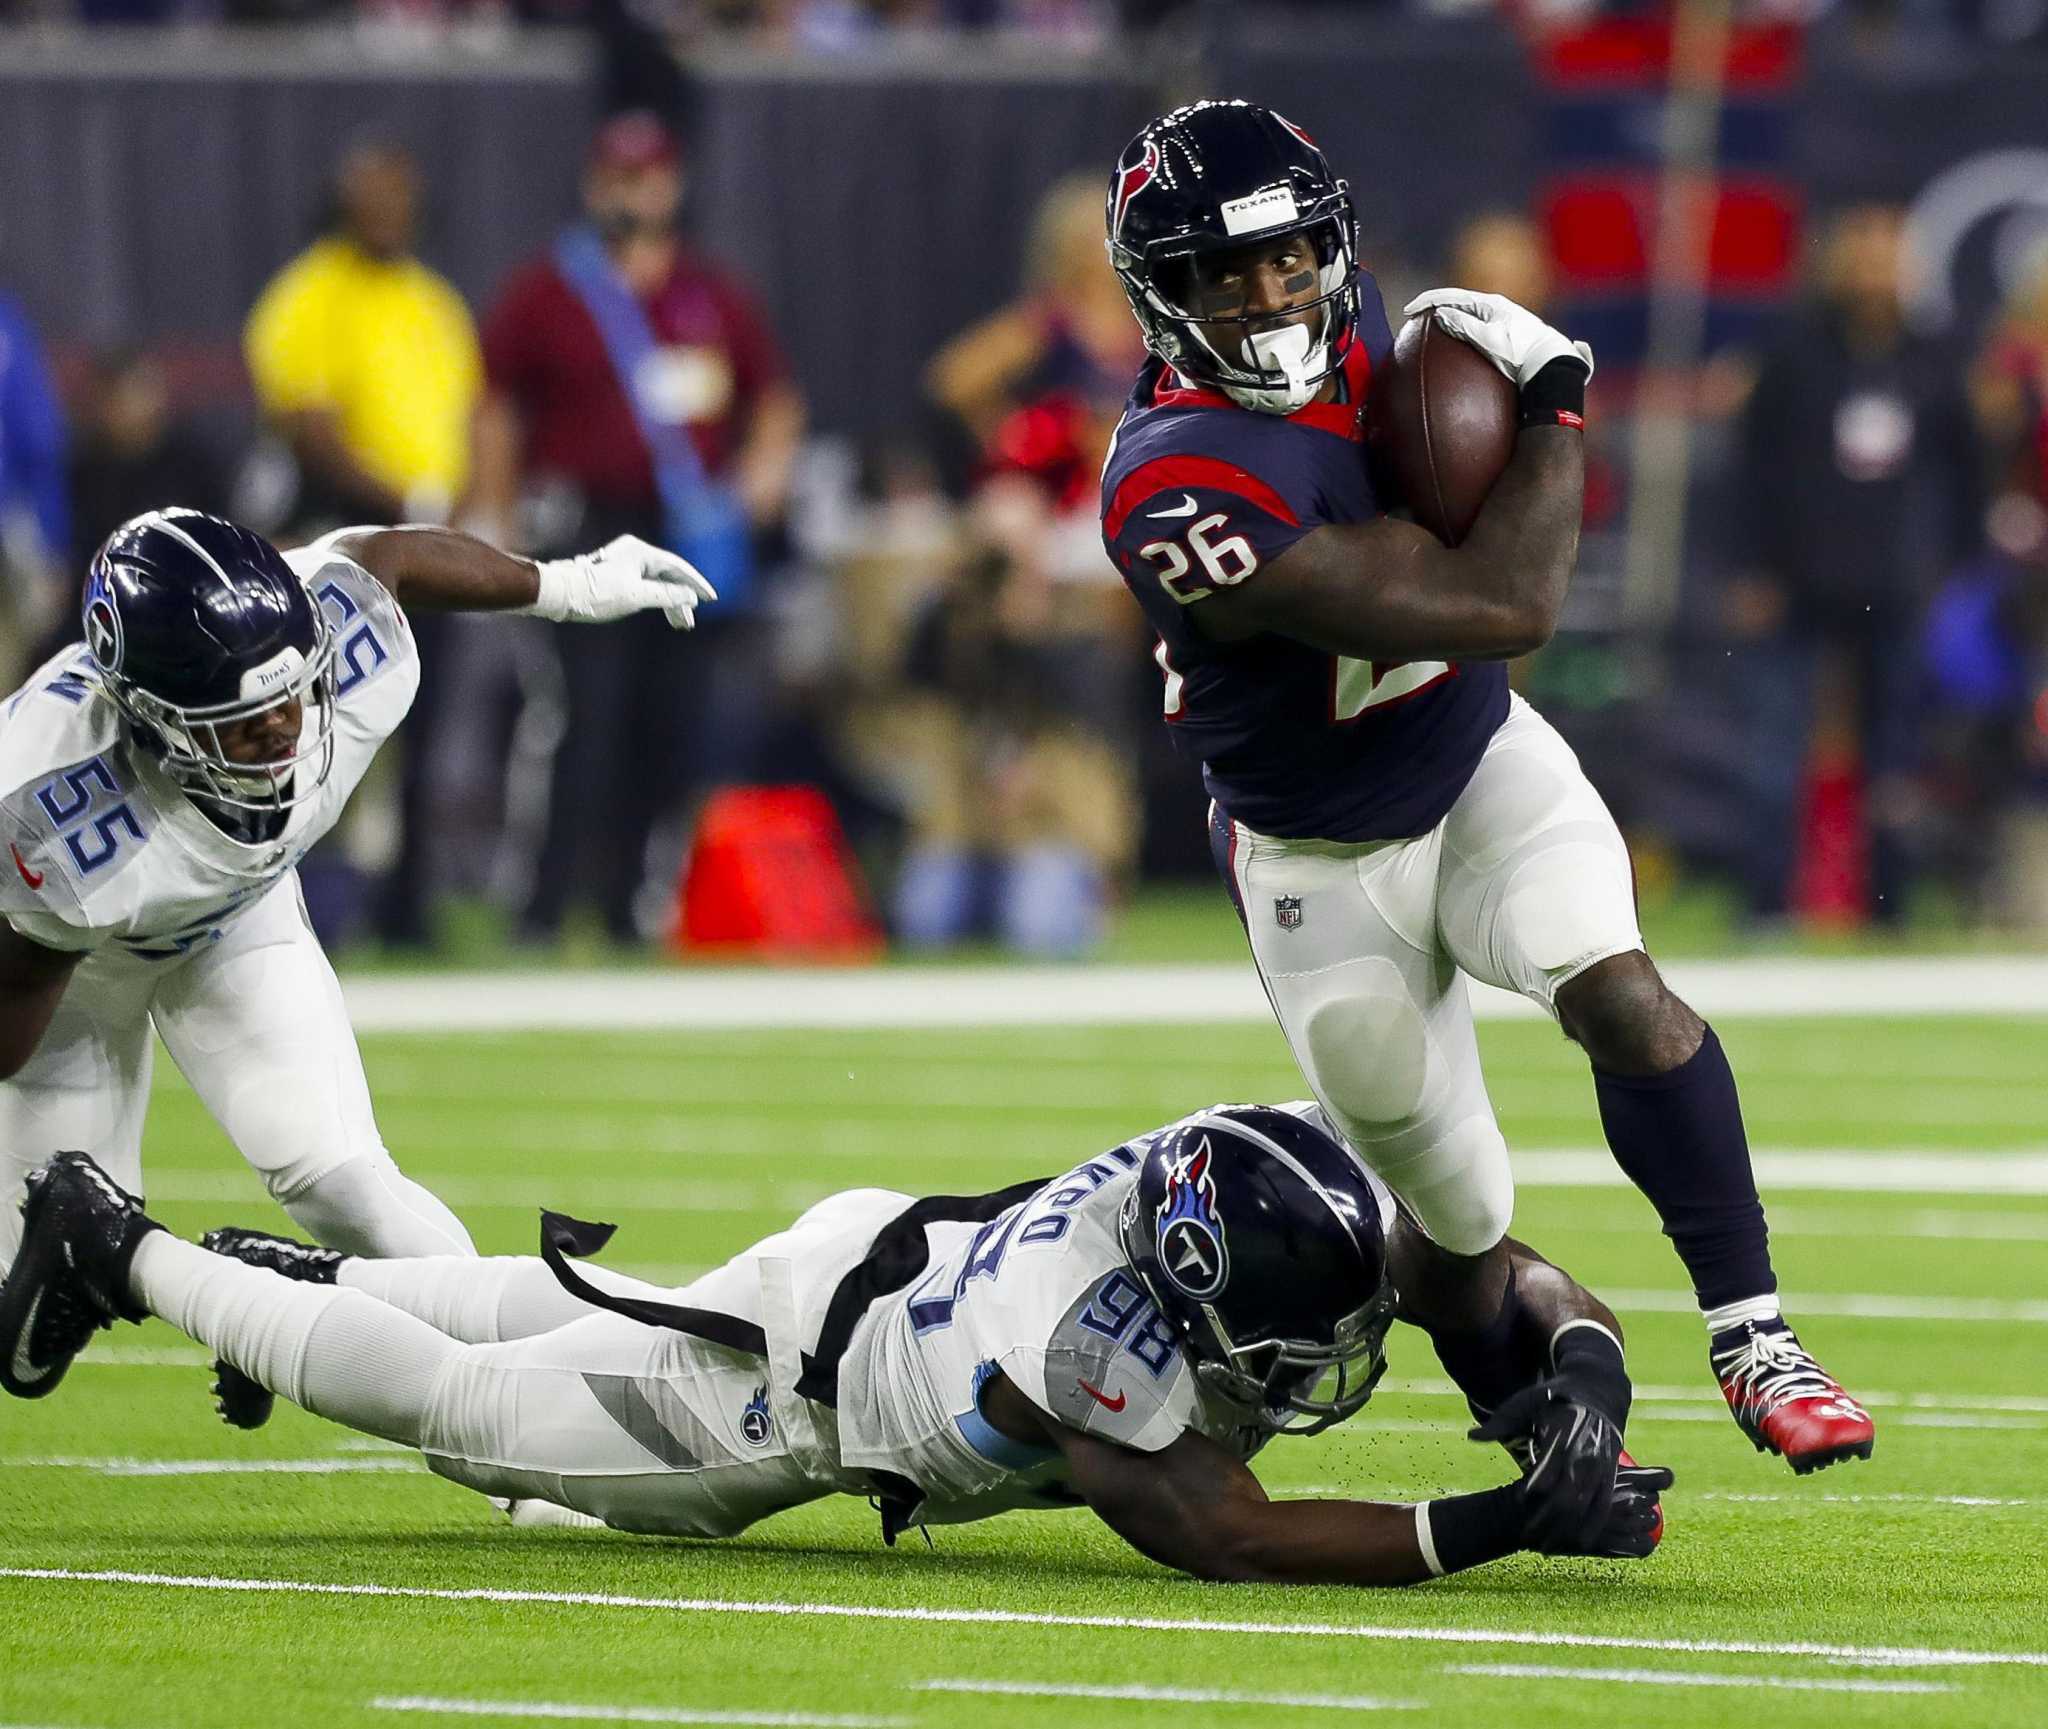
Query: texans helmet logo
1191, 1248
1297, 131
103, 634
1131, 182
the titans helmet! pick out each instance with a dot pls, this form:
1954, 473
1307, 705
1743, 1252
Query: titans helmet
1259, 1238
195, 625
1214, 178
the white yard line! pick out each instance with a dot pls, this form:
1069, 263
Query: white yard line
1108, 996
560, 1710
1848, 1170
1871, 1500
1688, 1678
1654, 1394
219, 1467
1169, 1695
1921, 1656
1860, 1305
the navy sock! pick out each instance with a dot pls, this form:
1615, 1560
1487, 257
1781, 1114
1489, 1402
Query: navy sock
1679, 1138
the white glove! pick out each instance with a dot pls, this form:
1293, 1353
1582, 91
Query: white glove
1510, 336
619, 579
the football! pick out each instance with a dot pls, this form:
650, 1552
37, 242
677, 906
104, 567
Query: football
1441, 422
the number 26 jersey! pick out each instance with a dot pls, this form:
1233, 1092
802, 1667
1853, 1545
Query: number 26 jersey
1199, 495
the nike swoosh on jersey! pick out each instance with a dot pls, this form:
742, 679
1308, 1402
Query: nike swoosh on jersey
27, 1371
34, 879
1102, 1398
1187, 509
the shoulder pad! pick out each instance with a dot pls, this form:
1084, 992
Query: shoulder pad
1113, 1369
371, 632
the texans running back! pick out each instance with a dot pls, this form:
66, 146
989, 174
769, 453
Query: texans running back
1124, 1336
159, 784
1386, 812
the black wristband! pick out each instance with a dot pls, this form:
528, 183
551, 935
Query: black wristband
1556, 396
1591, 1357
1462, 1531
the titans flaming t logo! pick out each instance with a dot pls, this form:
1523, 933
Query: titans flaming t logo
1190, 1232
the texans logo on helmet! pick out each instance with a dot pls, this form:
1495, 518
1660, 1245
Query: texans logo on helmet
1297, 131
1133, 181
103, 633
1190, 1232
755, 1423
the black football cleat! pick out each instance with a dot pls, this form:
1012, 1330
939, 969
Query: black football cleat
79, 1233
242, 1402
1785, 1402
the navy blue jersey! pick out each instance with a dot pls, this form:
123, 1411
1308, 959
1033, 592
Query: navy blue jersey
1197, 495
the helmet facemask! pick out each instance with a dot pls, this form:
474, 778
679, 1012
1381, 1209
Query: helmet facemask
187, 740
1284, 1380
1270, 362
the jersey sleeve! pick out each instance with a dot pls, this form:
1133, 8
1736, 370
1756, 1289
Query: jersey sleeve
375, 662
42, 888
1110, 1369
1197, 524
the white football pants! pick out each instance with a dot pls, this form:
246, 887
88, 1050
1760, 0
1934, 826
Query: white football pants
1524, 885
254, 1020
511, 1386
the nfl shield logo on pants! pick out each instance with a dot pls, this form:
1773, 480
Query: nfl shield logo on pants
1287, 912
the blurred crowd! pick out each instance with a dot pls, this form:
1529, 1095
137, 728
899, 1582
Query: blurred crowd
929, 632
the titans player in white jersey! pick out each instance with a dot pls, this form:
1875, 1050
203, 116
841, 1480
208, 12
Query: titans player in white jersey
159, 784
1125, 1336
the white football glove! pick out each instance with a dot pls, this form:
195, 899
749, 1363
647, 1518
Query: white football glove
1511, 336
619, 579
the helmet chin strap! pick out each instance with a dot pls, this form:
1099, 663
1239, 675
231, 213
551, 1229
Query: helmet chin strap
1296, 356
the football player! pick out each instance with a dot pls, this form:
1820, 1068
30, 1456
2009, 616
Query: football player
158, 786
1386, 811
1124, 1336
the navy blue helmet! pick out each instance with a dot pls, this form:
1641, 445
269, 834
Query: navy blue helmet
1213, 178
195, 624
1259, 1238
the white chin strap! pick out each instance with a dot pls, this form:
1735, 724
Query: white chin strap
1296, 356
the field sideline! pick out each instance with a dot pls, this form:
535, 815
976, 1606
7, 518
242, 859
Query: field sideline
157, 1569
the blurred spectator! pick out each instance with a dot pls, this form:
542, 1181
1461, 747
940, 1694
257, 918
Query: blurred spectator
35, 526
2009, 387
1856, 472
1503, 252
634, 388
366, 362
1985, 659
1069, 336
131, 455
1024, 818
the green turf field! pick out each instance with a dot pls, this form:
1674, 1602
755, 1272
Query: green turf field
1910, 1590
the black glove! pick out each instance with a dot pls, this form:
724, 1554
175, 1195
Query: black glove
1574, 1451
1636, 1521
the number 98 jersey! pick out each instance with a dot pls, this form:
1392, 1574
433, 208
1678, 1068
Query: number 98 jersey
1043, 1295
1198, 496
104, 849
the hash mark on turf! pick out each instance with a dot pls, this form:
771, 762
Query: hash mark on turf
1914, 1655
558, 1709
1169, 1695
1687, 1678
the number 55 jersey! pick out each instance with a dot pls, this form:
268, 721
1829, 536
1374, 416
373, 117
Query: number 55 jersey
1200, 495
104, 849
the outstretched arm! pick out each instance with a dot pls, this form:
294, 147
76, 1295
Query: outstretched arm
440, 569
1196, 1507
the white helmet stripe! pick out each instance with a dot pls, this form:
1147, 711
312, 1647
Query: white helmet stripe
1239, 1127
157, 519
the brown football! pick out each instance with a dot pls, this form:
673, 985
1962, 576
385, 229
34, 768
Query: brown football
1441, 418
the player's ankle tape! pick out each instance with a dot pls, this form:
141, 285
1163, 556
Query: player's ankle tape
1467, 1530
1556, 396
